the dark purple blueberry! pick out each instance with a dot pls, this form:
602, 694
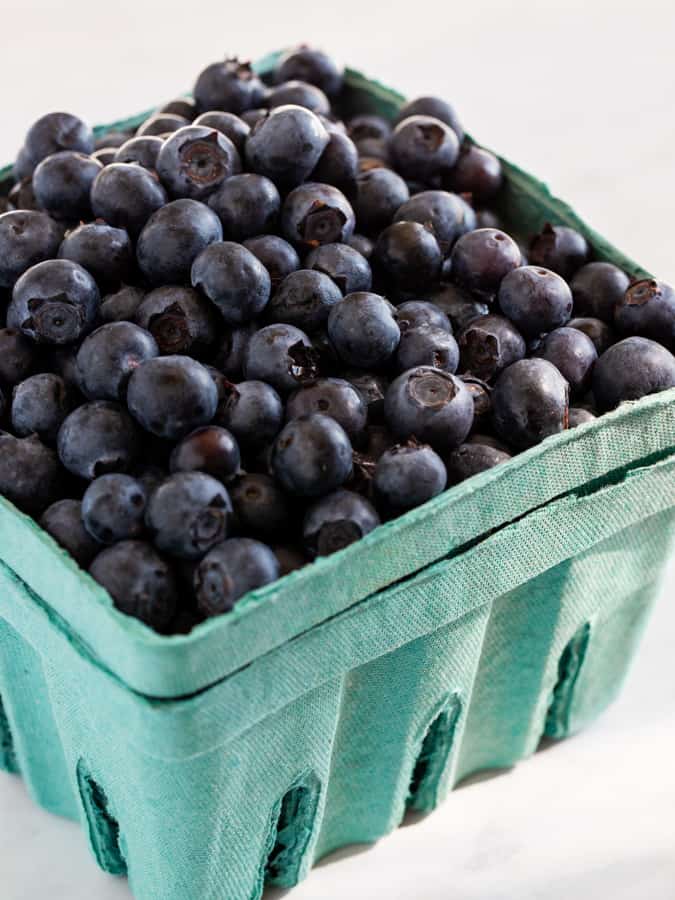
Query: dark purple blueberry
161, 124
631, 369
54, 132
181, 106
109, 139
229, 571
339, 164
286, 145
312, 456
598, 331
431, 405
415, 313
62, 184
170, 396
336, 521
579, 416
281, 355
407, 258
276, 254
299, 93
423, 147
559, 248
126, 195
229, 85
39, 406
30, 475
407, 475
477, 172
427, 345
304, 299
234, 280
481, 394
141, 150
458, 305
379, 194
188, 514
173, 238
489, 344
472, 458
121, 305
98, 438
448, 215
231, 350
54, 302
18, 356
367, 125
104, 251
109, 355
345, 266
597, 287
573, 354
362, 244
333, 397
247, 205
648, 309
310, 65
481, 259
363, 330
315, 214
228, 124
27, 237
261, 508
180, 319
210, 449
372, 386
113, 507
530, 402
139, 581
194, 161
253, 412
535, 299
431, 106
63, 521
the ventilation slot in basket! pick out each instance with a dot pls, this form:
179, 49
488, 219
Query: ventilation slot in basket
569, 668
8, 760
433, 757
104, 830
290, 833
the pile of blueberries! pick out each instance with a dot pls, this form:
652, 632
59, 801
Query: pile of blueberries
243, 335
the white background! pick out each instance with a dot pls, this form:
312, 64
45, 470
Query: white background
581, 93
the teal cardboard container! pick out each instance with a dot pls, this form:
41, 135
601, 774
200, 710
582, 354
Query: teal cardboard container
325, 705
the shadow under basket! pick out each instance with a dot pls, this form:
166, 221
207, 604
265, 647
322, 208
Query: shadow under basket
367, 684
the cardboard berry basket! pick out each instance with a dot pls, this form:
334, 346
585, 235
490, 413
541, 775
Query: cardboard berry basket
447, 641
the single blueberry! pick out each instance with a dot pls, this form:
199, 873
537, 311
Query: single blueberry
481, 259
126, 195
631, 369
489, 344
97, 438
312, 456
180, 319
573, 354
415, 313
310, 65
345, 266
286, 145
333, 397
598, 331
363, 330
39, 406
54, 132
247, 205
228, 124
194, 161
530, 402
559, 248
597, 288
379, 194
336, 521
229, 85
276, 254
423, 147
261, 508
113, 507
229, 571
63, 521
448, 215
173, 238
253, 412
62, 184
233, 279
104, 251
210, 449
314, 214
648, 309
27, 237
408, 475
434, 107
281, 355
535, 299
407, 257
477, 172
304, 299
109, 355
142, 150
472, 458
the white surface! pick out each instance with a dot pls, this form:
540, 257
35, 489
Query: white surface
579, 93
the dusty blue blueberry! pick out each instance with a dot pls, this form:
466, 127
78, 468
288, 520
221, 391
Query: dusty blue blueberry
173, 238
229, 571
530, 402
304, 299
233, 279
631, 369
113, 507
194, 161
408, 475
363, 330
312, 456
336, 521
109, 355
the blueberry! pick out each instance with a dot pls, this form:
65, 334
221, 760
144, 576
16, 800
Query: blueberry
30, 475
173, 238
458, 305
104, 251
333, 397
110, 139
597, 288
54, 132
379, 194
530, 403
648, 309
63, 521
481, 259
142, 150
289, 558
339, 164
631, 369
181, 106
448, 215
98, 438
281, 355
18, 356
407, 257
253, 412
39, 406
363, 330
121, 305
314, 214
286, 145
362, 244
559, 248
372, 386
310, 65
180, 319
345, 266
126, 196
304, 299
139, 581
299, 93
431, 405
194, 161
489, 344
233, 279
336, 521
434, 107
481, 394
109, 355
408, 475
579, 416
427, 345
415, 313
210, 449
229, 571
276, 254
228, 124
54, 302
367, 125
161, 124
189, 513
231, 350
62, 184
26, 238
312, 456
598, 331
171, 395
230, 85
247, 205
472, 458
113, 507
251, 117
477, 172
105, 155
423, 147
573, 354
261, 507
